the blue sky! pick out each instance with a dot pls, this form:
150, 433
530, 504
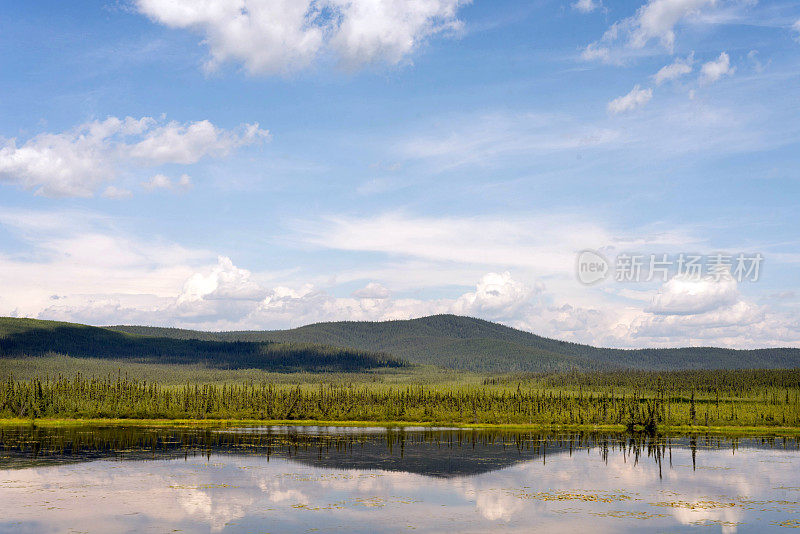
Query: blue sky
264, 164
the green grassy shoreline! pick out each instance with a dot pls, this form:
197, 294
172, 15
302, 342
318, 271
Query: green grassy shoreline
229, 423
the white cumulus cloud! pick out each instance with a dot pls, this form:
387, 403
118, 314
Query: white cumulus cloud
372, 290
683, 295
722, 325
188, 143
708, 311
657, 20
637, 98
714, 70
223, 281
282, 36
496, 295
76, 162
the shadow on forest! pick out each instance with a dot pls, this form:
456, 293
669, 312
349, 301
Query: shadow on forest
91, 342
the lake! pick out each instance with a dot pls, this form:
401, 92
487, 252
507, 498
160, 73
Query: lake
314, 479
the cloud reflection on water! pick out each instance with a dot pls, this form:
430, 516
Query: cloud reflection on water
582, 490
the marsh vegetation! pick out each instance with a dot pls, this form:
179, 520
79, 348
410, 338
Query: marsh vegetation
638, 400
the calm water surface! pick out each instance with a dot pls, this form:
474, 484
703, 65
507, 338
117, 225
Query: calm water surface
307, 479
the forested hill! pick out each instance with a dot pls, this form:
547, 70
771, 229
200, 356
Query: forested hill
474, 344
33, 338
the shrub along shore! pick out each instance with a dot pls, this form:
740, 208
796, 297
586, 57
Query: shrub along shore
777, 431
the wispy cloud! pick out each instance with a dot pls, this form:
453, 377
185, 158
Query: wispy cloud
160, 181
546, 243
587, 6
673, 71
655, 20
476, 138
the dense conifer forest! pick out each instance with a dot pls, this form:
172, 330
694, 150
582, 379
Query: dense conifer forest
476, 345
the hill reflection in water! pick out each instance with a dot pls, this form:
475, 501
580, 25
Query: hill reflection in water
440, 452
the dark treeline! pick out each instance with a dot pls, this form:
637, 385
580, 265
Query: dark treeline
91, 342
640, 406
739, 382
